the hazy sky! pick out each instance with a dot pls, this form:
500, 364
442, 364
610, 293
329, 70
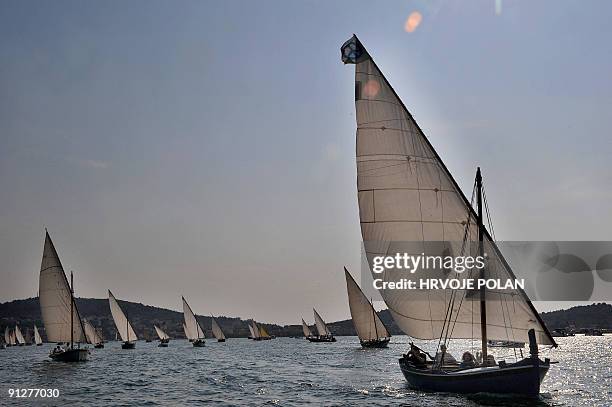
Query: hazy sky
208, 149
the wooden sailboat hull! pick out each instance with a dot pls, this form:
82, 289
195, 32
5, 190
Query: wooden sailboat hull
321, 339
70, 355
198, 343
128, 345
522, 378
220, 340
376, 343
39, 344
163, 345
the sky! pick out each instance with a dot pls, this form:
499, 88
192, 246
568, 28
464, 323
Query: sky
207, 149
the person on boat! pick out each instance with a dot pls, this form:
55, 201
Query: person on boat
468, 360
416, 356
444, 357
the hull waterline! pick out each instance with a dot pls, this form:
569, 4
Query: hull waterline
522, 378
70, 355
376, 343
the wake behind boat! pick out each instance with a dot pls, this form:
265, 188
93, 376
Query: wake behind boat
58, 309
370, 329
409, 201
122, 323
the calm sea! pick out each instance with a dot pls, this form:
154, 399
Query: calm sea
284, 372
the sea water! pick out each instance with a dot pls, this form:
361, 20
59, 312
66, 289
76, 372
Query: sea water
284, 372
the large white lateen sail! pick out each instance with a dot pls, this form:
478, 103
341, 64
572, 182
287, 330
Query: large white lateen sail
121, 321
186, 330
407, 195
255, 330
322, 328
252, 334
367, 323
37, 338
7, 335
306, 329
162, 335
194, 330
19, 336
92, 335
57, 307
216, 329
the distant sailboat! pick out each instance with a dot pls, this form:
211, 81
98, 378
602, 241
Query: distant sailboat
59, 312
194, 330
264, 335
410, 203
7, 337
93, 336
216, 329
128, 336
252, 333
255, 331
306, 329
163, 337
37, 338
19, 336
370, 329
12, 340
324, 334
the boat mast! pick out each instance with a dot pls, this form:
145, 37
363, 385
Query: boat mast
71, 310
127, 326
483, 303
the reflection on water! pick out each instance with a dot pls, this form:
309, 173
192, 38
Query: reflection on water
287, 372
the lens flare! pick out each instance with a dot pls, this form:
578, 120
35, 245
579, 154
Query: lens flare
371, 88
413, 21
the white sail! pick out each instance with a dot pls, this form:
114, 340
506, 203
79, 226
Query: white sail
37, 338
7, 335
255, 330
216, 329
407, 195
193, 326
162, 335
19, 336
321, 326
56, 299
186, 330
121, 321
251, 330
306, 329
367, 323
13, 340
92, 335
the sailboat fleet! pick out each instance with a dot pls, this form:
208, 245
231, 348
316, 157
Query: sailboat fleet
405, 194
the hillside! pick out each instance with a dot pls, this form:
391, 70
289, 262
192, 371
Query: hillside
27, 313
585, 316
